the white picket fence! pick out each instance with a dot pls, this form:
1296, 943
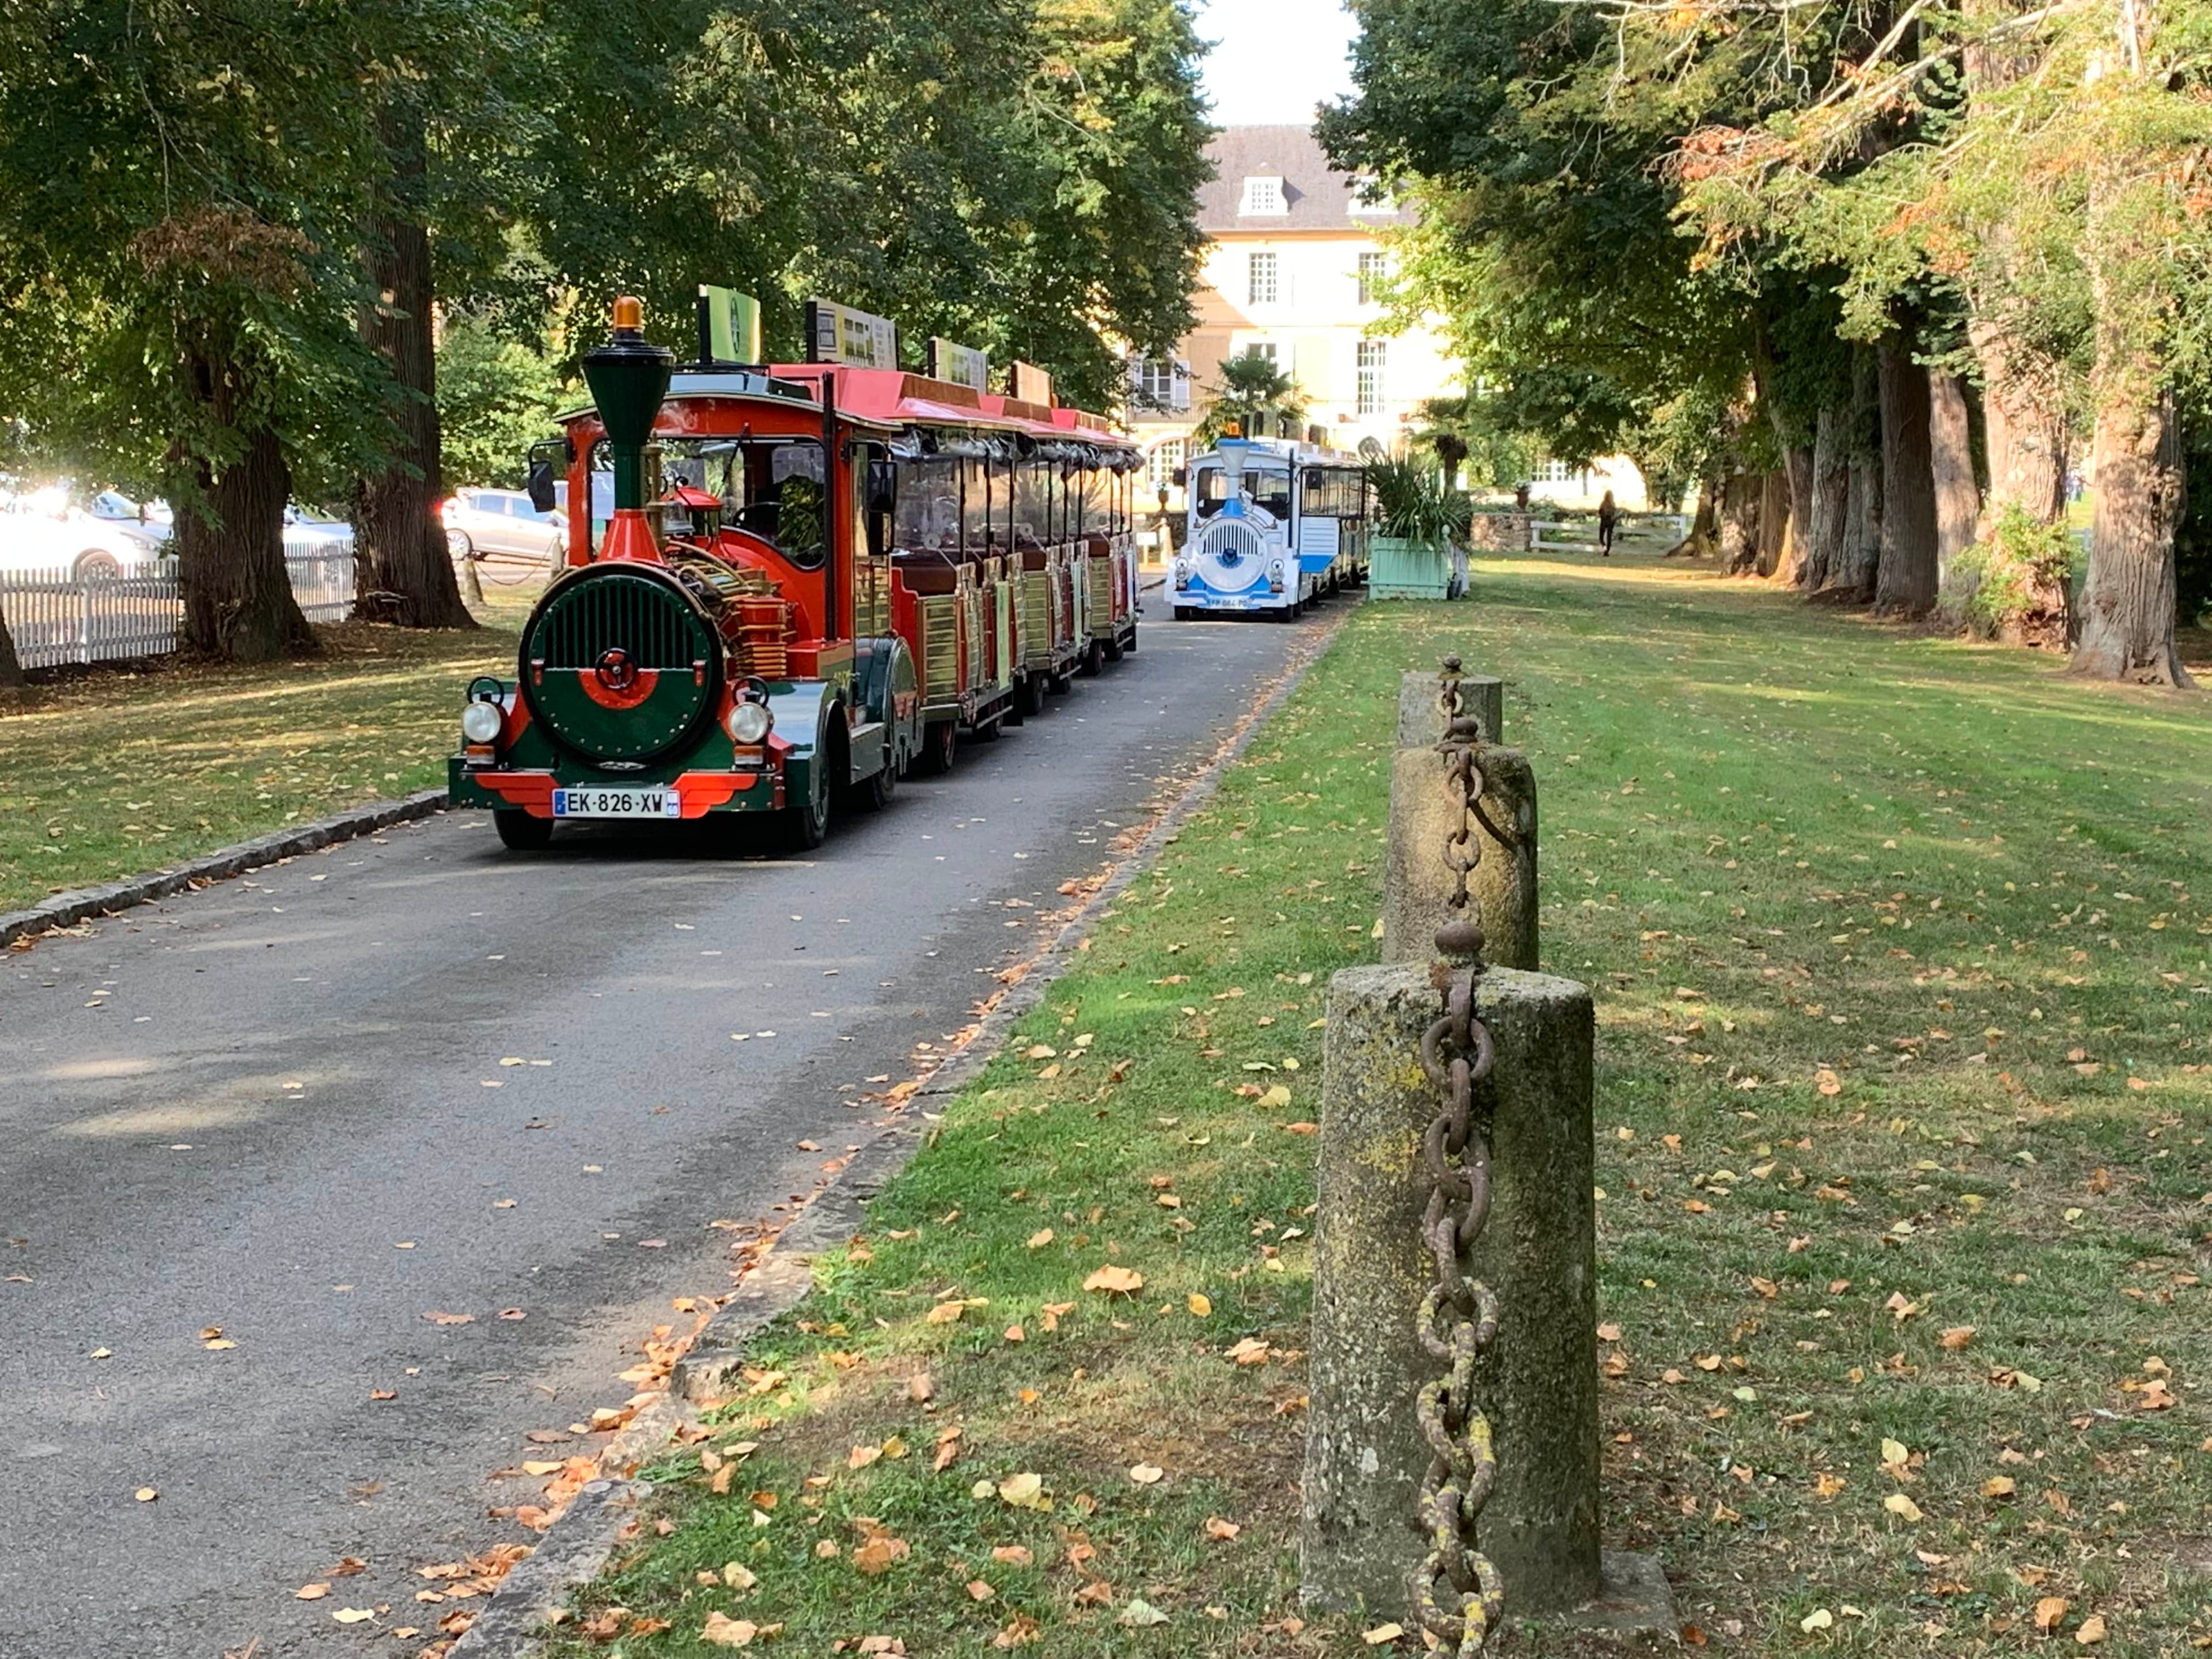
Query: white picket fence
55, 618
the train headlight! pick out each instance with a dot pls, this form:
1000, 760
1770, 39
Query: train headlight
480, 721
749, 723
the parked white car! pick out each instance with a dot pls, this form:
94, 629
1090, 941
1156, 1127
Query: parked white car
508, 537
84, 547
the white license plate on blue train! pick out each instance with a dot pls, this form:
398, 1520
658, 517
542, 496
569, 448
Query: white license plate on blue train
652, 801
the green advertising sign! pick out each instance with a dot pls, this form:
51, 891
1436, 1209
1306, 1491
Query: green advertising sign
729, 325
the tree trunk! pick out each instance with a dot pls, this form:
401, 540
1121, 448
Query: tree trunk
1832, 482
2023, 418
1774, 520
1704, 525
402, 540
1857, 560
2128, 607
1951, 444
1789, 538
1797, 547
230, 554
1739, 522
11, 667
1905, 585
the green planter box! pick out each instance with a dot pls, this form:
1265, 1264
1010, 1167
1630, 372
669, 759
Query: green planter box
1407, 570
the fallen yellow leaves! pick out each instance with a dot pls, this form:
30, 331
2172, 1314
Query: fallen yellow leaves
1901, 1506
723, 1631
1116, 1280
1381, 1633
311, 1592
1201, 1306
146, 1494
2051, 1612
1221, 1531
1024, 1491
1147, 1474
876, 1554
353, 1615
1039, 1239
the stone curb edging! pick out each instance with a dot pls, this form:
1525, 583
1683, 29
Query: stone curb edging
82, 903
521, 1613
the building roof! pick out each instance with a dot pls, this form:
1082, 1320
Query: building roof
1315, 196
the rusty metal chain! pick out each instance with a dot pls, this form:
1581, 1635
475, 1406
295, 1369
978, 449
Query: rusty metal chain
1456, 1588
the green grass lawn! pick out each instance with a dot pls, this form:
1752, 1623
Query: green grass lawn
109, 771
1906, 1023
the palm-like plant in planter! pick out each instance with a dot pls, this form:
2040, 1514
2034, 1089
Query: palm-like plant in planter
1417, 520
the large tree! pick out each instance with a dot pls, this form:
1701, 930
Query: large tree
2046, 161
177, 185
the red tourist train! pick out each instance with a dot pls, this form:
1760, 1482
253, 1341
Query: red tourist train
805, 580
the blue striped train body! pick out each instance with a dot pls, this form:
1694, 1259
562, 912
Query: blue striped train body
1274, 526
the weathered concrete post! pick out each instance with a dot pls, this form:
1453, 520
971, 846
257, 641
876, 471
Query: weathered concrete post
1365, 1453
1416, 885
1421, 720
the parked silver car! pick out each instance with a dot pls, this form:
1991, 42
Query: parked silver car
510, 540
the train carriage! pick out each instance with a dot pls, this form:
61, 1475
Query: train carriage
1274, 526
806, 579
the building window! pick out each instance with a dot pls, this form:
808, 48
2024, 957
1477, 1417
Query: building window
1373, 268
1259, 273
1160, 383
1261, 349
1559, 472
1372, 359
1369, 196
1263, 194
1167, 455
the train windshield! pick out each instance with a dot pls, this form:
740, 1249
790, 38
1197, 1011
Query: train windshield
769, 488
1268, 489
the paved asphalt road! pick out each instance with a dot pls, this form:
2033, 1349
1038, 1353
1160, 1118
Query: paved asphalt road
269, 1106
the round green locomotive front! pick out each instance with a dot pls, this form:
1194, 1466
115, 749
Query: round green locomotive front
620, 665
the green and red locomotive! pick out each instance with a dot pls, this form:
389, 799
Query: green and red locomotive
805, 580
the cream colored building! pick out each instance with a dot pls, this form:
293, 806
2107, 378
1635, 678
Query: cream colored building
1291, 271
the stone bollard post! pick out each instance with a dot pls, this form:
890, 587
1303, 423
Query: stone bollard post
1416, 886
1420, 722
1365, 1454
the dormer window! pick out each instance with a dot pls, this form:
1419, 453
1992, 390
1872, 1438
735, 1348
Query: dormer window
1370, 195
1263, 194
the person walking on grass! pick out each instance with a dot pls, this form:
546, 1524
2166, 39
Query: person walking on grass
1608, 519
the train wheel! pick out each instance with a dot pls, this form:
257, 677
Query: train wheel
1032, 695
1183, 613
806, 820
938, 744
1094, 658
1130, 644
987, 731
521, 832
1114, 650
878, 791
